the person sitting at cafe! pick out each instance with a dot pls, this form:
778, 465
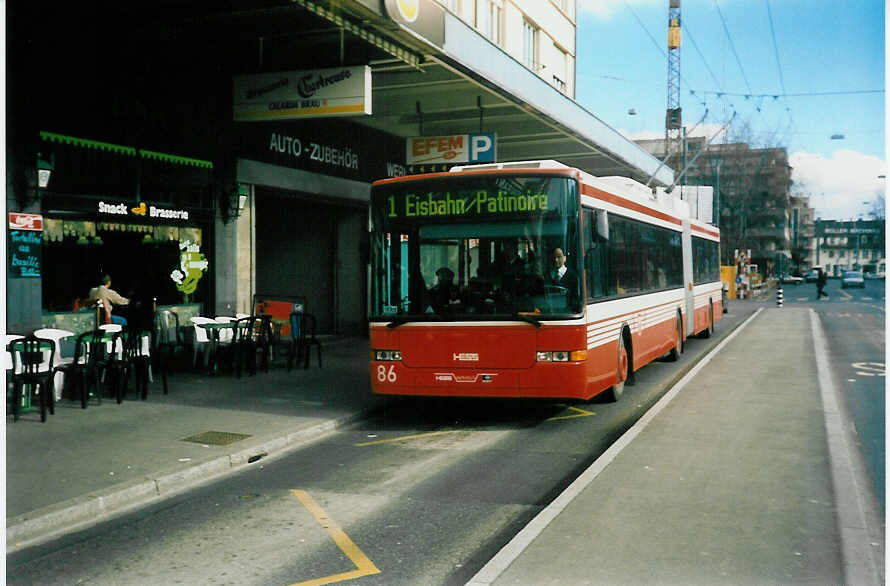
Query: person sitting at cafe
109, 297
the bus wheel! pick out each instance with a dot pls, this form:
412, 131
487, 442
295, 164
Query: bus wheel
615, 390
674, 354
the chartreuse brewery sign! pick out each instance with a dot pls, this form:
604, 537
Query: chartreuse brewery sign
192, 264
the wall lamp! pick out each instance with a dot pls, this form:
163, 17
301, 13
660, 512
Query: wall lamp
236, 200
44, 170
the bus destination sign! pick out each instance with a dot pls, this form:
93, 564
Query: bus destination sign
478, 203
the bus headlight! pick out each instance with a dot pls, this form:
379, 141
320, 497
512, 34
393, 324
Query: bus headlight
387, 355
561, 355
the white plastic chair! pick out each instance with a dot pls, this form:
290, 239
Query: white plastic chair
201, 339
56, 335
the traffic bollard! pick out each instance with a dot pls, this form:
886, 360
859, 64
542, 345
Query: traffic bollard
779, 297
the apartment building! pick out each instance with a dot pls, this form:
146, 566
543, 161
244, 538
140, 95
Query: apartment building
752, 198
803, 234
850, 245
540, 34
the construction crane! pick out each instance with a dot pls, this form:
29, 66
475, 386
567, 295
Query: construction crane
673, 122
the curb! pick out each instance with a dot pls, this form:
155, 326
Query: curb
78, 513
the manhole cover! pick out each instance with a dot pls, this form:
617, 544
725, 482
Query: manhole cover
216, 438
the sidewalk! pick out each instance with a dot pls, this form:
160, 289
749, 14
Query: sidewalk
731, 479
83, 466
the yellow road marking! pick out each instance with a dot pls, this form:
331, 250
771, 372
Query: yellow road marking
406, 437
580, 413
364, 566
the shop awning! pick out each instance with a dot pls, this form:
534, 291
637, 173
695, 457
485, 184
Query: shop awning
176, 159
87, 143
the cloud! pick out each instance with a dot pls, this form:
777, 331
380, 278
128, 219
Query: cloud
838, 186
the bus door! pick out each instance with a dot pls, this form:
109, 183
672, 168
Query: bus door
688, 288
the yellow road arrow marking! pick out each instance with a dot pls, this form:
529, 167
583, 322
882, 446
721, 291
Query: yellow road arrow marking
364, 566
579, 413
402, 438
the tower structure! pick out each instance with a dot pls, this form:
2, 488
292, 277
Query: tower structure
673, 123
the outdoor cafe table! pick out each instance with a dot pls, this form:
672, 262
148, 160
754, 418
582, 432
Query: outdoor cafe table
214, 328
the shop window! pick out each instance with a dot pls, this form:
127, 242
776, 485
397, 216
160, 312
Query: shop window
140, 259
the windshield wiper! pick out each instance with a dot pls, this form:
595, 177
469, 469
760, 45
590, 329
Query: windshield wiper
404, 319
526, 317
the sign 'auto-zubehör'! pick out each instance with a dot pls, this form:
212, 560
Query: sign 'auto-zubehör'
343, 91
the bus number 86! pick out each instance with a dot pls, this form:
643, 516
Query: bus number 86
384, 375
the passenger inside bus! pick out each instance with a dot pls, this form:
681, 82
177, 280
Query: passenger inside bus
444, 292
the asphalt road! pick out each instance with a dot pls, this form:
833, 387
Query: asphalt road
854, 323
425, 492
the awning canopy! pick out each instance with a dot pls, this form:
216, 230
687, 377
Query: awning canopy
87, 143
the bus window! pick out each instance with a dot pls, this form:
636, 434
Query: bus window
496, 235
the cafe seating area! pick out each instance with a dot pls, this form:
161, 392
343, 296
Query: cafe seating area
53, 364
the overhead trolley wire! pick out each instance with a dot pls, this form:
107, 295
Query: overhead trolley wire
772, 30
732, 46
663, 54
776, 96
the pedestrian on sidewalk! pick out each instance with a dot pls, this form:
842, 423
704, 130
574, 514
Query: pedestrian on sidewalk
821, 278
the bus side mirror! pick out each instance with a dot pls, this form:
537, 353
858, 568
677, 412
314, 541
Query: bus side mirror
602, 224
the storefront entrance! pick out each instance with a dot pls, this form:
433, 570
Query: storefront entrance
296, 251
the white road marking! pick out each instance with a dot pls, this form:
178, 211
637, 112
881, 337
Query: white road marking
850, 499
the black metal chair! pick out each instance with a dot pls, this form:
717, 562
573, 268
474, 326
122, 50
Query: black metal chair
114, 362
32, 368
265, 339
131, 361
82, 372
244, 345
302, 338
167, 340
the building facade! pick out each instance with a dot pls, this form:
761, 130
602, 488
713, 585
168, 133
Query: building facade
753, 204
803, 235
212, 155
540, 35
850, 245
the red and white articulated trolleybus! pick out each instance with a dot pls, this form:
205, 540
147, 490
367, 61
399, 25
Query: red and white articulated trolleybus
531, 280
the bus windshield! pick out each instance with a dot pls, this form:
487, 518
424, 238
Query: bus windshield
477, 247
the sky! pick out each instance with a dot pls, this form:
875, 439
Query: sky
794, 73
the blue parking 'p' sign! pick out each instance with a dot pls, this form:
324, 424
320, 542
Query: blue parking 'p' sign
482, 148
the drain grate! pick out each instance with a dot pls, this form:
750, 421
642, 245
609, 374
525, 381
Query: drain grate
216, 438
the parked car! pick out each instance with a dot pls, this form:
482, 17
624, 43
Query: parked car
852, 279
792, 280
812, 276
